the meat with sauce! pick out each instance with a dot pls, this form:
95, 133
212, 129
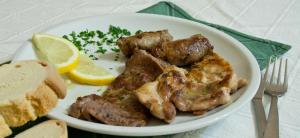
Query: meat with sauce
183, 52
150, 83
75, 108
156, 95
106, 110
142, 67
210, 83
214, 70
206, 85
144, 41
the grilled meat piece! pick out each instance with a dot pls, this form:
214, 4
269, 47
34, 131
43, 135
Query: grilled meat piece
184, 51
139, 69
179, 52
156, 95
197, 97
110, 110
214, 70
119, 105
111, 113
116, 107
210, 83
144, 41
75, 108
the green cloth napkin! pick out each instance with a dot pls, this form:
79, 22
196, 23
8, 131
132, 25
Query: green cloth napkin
262, 49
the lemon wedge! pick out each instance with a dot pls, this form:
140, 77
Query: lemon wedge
57, 50
87, 72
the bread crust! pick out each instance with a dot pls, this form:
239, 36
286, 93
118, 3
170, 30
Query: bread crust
35, 129
37, 102
63, 126
43, 99
5, 130
17, 112
54, 80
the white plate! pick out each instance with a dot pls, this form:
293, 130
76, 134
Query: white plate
237, 54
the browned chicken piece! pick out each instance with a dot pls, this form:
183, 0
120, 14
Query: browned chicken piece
197, 97
156, 95
184, 51
119, 105
214, 70
144, 41
210, 83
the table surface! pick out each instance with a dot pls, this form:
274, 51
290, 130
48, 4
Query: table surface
271, 19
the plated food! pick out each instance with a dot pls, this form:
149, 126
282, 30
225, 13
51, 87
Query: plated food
98, 33
161, 77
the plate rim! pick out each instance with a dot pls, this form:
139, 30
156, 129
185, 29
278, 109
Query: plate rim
165, 129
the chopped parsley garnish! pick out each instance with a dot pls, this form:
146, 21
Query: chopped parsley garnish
138, 32
115, 49
118, 32
65, 37
95, 42
117, 56
101, 50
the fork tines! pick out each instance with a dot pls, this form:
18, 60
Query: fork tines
278, 83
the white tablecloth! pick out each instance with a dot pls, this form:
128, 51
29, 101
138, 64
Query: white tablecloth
277, 20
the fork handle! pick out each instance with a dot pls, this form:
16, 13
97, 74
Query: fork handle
272, 128
260, 116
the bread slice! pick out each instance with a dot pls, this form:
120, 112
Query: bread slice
28, 89
47, 129
4, 129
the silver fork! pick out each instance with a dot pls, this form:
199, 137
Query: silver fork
275, 88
